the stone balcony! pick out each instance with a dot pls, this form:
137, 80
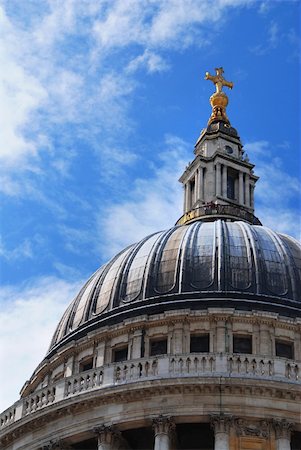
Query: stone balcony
193, 365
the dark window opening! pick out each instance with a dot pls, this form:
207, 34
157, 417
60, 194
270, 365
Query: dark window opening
120, 354
199, 343
242, 344
86, 365
296, 440
58, 376
231, 187
285, 349
158, 347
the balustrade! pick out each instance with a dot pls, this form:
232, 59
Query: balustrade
163, 366
39, 399
7, 417
84, 381
192, 364
256, 366
134, 370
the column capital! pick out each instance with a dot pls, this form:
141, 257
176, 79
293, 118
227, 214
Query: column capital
163, 425
106, 434
282, 428
221, 423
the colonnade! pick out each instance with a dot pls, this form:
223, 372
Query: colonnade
164, 429
191, 196
194, 188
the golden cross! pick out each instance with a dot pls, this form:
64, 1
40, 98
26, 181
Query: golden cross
218, 80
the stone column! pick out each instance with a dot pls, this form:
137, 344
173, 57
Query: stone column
218, 180
247, 189
224, 181
163, 429
221, 426
241, 188
283, 430
196, 186
186, 196
188, 206
107, 437
201, 183
252, 195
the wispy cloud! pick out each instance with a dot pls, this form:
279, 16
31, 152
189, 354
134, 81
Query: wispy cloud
271, 41
29, 313
46, 82
152, 61
153, 204
277, 192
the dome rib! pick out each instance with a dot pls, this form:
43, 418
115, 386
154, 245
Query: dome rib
202, 262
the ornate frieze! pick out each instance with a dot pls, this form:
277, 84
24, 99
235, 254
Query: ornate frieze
245, 427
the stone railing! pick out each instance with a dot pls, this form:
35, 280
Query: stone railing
39, 399
160, 367
83, 382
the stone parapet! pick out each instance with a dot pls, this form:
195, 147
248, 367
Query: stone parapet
213, 365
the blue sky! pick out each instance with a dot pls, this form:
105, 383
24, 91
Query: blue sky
101, 103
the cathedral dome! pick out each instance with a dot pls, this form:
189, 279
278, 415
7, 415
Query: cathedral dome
195, 266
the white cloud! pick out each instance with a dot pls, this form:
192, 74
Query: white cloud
154, 203
152, 61
272, 40
277, 193
282, 220
44, 81
22, 251
28, 317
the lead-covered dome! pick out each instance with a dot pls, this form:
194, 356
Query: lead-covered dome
197, 265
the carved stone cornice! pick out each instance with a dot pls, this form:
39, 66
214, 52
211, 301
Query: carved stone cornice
282, 428
245, 427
